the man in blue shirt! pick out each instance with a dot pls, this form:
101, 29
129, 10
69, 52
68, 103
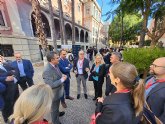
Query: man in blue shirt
25, 69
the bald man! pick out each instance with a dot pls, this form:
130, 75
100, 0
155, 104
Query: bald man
155, 88
25, 69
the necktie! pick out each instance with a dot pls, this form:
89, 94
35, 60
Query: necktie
58, 70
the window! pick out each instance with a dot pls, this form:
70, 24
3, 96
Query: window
2, 22
79, 22
6, 50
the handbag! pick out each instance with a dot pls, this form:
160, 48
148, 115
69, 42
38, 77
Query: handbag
149, 117
90, 78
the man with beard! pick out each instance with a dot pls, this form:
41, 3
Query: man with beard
155, 88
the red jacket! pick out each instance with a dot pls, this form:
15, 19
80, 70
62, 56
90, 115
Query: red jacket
41, 122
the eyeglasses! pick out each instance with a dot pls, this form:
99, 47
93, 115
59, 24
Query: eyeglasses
157, 66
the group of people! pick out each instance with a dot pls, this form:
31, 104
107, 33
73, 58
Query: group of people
19, 72
125, 92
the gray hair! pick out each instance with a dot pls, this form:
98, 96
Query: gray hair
50, 55
118, 55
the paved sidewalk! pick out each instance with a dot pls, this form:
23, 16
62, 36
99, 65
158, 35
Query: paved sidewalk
78, 111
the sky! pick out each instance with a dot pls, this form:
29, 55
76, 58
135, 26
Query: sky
106, 7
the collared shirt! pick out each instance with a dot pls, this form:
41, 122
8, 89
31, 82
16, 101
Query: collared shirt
152, 80
3, 68
21, 68
96, 78
80, 66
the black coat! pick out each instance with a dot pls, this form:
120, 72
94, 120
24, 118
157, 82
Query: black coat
117, 109
156, 101
85, 65
100, 74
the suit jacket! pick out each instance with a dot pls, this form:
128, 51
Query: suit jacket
2, 89
156, 101
52, 78
10, 91
63, 64
117, 109
85, 65
28, 68
10, 70
101, 72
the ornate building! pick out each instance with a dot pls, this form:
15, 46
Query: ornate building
18, 31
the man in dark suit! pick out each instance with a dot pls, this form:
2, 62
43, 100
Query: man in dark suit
81, 69
8, 76
25, 69
53, 77
155, 88
65, 67
114, 58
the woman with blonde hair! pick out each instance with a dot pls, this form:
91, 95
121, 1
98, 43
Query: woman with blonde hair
32, 105
97, 75
125, 106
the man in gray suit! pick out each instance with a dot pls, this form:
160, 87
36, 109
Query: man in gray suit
53, 76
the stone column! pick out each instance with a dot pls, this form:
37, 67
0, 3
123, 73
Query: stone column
14, 17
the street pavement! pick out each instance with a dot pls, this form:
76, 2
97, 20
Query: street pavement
78, 111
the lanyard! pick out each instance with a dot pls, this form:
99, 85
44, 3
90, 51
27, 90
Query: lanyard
123, 91
81, 63
157, 81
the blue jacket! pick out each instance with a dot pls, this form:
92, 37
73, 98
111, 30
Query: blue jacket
2, 89
28, 68
63, 64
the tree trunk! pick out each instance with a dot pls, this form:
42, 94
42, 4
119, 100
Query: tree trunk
52, 26
153, 43
62, 28
39, 27
73, 24
143, 31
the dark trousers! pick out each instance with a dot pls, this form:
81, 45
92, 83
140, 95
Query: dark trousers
98, 88
109, 87
24, 82
66, 89
10, 96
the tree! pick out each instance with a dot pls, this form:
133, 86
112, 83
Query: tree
53, 25
73, 23
158, 28
146, 9
39, 25
130, 28
62, 29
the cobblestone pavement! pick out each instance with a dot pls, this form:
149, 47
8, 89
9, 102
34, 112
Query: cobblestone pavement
77, 111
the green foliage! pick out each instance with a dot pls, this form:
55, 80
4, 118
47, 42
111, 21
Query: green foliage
131, 27
142, 58
147, 42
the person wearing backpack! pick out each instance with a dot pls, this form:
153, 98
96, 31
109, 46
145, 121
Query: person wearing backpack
155, 88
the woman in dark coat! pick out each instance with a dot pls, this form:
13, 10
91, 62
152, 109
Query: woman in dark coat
98, 73
125, 106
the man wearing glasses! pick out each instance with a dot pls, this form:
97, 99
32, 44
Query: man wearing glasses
53, 77
155, 88
81, 69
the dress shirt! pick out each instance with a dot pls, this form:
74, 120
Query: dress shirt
80, 66
1, 67
21, 68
